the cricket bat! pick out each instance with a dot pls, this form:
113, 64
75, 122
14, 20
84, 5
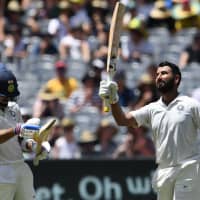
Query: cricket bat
113, 45
43, 136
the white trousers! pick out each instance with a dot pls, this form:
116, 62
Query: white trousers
16, 182
186, 186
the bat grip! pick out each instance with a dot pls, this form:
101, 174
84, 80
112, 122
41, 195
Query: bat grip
36, 159
106, 105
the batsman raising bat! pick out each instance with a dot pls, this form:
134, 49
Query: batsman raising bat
16, 178
175, 123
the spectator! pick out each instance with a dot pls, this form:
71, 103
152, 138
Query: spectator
147, 91
66, 146
47, 104
87, 143
136, 144
130, 14
57, 131
32, 23
50, 9
186, 14
160, 16
59, 26
46, 46
13, 14
80, 16
86, 95
151, 71
98, 68
191, 53
98, 13
106, 132
137, 44
126, 148
99, 33
102, 42
144, 7
126, 95
2, 22
74, 45
62, 86
14, 43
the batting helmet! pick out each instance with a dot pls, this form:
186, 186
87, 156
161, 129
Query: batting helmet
8, 83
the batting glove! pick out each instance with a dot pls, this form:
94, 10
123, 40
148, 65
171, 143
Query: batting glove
33, 121
108, 90
46, 148
28, 130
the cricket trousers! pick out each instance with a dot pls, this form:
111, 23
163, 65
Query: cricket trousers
16, 182
186, 186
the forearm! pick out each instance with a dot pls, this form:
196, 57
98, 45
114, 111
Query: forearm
121, 118
85, 52
63, 51
118, 114
27, 130
6, 134
183, 60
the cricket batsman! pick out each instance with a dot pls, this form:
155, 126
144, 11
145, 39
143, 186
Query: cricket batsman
174, 120
16, 178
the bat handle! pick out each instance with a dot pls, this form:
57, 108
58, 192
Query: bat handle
106, 106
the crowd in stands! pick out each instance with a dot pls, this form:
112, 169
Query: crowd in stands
60, 48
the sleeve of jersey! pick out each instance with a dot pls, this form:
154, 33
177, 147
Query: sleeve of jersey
142, 116
196, 113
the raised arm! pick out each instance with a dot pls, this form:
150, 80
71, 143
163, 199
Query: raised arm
108, 90
121, 118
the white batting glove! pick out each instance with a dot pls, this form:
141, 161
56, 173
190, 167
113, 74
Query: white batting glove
108, 90
29, 129
46, 148
33, 121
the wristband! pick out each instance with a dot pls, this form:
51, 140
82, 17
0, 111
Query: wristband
17, 129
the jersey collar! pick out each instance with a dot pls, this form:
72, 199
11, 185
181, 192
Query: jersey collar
177, 99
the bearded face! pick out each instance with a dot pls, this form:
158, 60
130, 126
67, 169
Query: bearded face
165, 86
165, 80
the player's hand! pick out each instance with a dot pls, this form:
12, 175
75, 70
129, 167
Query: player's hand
108, 90
45, 150
28, 130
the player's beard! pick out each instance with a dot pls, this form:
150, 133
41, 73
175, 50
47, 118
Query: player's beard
165, 86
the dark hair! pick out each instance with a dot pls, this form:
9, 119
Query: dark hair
175, 69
